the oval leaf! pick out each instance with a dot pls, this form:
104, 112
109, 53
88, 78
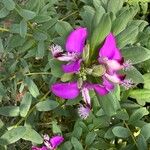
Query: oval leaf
11, 111
121, 132
47, 105
12, 135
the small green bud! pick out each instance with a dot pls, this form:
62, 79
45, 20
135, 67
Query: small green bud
66, 77
98, 70
88, 71
85, 54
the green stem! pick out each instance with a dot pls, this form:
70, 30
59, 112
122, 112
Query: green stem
68, 15
31, 110
132, 136
37, 73
7, 30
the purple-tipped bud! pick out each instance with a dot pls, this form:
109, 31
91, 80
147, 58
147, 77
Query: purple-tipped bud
127, 83
127, 65
56, 50
84, 111
86, 96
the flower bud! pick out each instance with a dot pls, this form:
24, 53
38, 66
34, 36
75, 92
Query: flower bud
85, 54
98, 70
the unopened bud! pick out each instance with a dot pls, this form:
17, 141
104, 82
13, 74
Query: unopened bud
98, 70
80, 83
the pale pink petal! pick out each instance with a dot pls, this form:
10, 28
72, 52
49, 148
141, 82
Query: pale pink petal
114, 65
115, 78
86, 96
76, 40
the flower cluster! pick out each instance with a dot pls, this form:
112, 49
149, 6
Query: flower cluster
50, 143
108, 64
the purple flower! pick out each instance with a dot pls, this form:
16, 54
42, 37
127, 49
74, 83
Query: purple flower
110, 56
74, 48
50, 143
54, 142
84, 111
110, 62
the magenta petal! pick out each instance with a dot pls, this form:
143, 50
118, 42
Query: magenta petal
107, 49
56, 140
101, 90
72, 67
66, 90
107, 84
76, 40
117, 54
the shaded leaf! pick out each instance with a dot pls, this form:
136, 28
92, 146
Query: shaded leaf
46, 105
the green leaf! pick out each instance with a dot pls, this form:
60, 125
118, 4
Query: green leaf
9, 4
76, 144
97, 16
121, 21
145, 131
66, 77
121, 132
90, 138
3, 128
87, 17
127, 36
109, 103
56, 128
47, 105
97, 4
109, 134
1, 46
4, 12
42, 18
138, 114
63, 28
40, 50
32, 87
32, 135
141, 142
67, 146
25, 104
26, 14
114, 6
136, 54
10, 111
77, 132
122, 114
98, 34
40, 36
23, 28
56, 68
134, 75
140, 93
12, 135
146, 80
